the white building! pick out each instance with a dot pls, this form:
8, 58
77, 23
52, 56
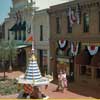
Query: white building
18, 26
42, 34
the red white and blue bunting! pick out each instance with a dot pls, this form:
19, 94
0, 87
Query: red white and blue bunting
62, 44
74, 48
92, 49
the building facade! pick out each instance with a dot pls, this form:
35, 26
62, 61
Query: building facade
42, 34
18, 27
75, 40
2, 31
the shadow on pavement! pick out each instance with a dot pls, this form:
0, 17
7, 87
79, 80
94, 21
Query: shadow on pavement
84, 90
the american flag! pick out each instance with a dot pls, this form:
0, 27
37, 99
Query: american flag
78, 14
72, 17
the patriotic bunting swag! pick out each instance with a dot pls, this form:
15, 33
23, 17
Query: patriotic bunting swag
62, 44
74, 48
92, 49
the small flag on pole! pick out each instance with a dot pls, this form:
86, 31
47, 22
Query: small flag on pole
29, 39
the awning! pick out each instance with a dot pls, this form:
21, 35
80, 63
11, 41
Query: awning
20, 26
22, 44
13, 28
83, 58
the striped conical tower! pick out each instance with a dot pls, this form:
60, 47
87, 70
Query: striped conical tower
33, 75
32, 71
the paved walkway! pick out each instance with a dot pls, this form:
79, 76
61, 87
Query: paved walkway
73, 91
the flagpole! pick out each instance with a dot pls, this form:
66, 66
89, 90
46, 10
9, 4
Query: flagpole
33, 39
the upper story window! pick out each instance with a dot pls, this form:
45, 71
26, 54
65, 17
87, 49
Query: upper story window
86, 22
58, 25
8, 35
99, 21
69, 26
15, 35
24, 35
41, 32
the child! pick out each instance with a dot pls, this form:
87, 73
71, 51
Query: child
60, 82
64, 79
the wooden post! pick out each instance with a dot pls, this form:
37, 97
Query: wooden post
93, 73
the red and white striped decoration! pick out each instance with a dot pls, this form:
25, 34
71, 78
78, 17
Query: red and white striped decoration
93, 49
74, 48
62, 44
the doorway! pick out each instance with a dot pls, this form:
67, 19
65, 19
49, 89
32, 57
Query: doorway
21, 58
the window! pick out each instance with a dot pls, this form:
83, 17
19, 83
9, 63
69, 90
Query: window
58, 25
24, 35
69, 27
8, 34
99, 21
41, 32
44, 52
19, 35
98, 73
86, 22
15, 35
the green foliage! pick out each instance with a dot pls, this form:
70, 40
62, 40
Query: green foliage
3, 50
8, 50
9, 86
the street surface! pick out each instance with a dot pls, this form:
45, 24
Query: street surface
74, 90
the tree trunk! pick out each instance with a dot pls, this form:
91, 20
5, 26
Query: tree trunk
10, 67
3, 65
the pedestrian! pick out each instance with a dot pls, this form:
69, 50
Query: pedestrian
64, 78
60, 82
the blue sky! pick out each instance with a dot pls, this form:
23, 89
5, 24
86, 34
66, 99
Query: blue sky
6, 4
4, 9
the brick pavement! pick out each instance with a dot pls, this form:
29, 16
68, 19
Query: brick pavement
68, 93
73, 91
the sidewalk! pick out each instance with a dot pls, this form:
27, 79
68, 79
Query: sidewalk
74, 90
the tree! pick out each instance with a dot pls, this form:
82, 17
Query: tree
12, 53
8, 52
3, 54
